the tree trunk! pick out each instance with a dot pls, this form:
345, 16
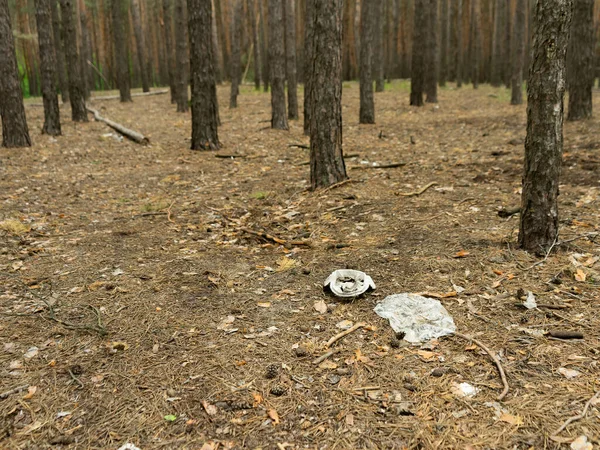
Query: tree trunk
497, 43
367, 105
508, 44
181, 53
308, 61
140, 43
218, 57
168, 36
417, 77
202, 76
277, 65
28, 50
76, 93
236, 59
87, 74
349, 40
326, 158
14, 123
580, 61
264, 42
459, 43
63, 81
444, 42
538, 229
252, 17
378, 51
431, 55
290, 53
119, 13
518, 53
475, 42
43, 17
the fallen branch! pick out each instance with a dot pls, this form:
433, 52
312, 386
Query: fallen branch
337, 185
16, 390
350, 155
507, 212
307, 147
137, 94
494, 358
572, 419
416, 193
229, 156
277, 240
562, 334
129, 134
324, 356
344, 333
382, 166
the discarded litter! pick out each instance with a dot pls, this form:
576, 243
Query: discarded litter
530, 302
420, 318
128, 446
464, 390
348, 283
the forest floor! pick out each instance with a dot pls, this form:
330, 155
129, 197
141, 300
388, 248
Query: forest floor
136, 308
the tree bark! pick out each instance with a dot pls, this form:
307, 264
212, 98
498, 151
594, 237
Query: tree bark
417, 77
236, 61
76, 92
119, 13
264, 42
14, 123
367, 105
308, 61
498, 43
87, 74
277, 65
444, 42
580, 61
290, 53
217, 51
432, 53
538, 229
140, 43
205, 113
518, 53
43, 17
252, 17
181, 53
378, 51
475, 42
349, 41
326, 158
459, 43
63, 81
167, 6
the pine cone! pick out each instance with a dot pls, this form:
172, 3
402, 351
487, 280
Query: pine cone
272, 371
394, 343
278, 390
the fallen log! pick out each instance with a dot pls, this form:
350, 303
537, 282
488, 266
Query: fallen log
129, 134
137, 94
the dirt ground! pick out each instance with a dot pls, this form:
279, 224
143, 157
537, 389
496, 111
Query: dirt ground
137, 308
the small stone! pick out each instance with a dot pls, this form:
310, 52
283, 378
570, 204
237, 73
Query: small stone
301, 351
410, 387
306, 271
439, 372
333, 379
394, 343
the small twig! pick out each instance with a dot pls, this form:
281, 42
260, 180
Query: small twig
507, 212
339, 336
75, 379
16, 390
494, 358
545, 257
275, 239
169, 212
324, 356
572, 419
417, 193
307, 147
382, 166
229, 156
464, 200
337, 185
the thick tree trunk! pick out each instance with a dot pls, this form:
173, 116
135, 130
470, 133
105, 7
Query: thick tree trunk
43, 17
308, 61
28, 50
252, 17
14, 123
140, 43
538, 229
119, 12
202, 76
518, 53
580, 62
181, 53
349, 41
264, 43
417, 77
508, 45
168, 36
61, 69
498, 43
367, 105
326, 158
475, 42
76, 92
444, 42
236, 58
378, 51
459, 43
431, 55
277, 65
218, 57
87, 73
290, 56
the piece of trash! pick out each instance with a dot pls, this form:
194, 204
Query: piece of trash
581, 443
170, 417
348, 283
530, 302
129, 446
420, 318
31, 353
568, 373
61, 414
464, 390
117, 272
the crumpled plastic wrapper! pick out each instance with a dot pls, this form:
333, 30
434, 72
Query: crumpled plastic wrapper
420, 318
348, 283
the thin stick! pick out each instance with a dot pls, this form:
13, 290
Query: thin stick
417, 193
572, 419
169, 212
339, 336
324, 356
382, 166
16, 390
496, 361
337, 185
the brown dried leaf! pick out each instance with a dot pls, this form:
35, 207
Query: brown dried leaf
274, 416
